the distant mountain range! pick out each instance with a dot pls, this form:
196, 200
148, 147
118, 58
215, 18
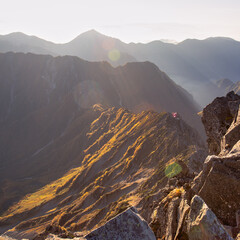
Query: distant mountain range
193, 64
46, 110
91, 46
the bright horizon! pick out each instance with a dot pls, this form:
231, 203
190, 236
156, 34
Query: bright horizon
61, 21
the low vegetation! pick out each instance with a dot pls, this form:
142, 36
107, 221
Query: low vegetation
45, 194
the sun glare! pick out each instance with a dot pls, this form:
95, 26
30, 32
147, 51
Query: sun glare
114, 55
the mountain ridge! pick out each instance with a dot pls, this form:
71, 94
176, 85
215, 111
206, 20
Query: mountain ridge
93, 31
44, 101
130, 152
193, 64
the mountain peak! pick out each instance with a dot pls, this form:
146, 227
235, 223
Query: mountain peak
17, 35
90, 33
93, 31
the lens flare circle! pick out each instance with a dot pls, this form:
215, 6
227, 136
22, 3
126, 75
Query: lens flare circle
172, 170
114, 55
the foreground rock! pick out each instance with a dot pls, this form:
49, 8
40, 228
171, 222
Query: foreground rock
203, 224
219, 181
168, 218
219, 185
128, 225
208, 207
175, 218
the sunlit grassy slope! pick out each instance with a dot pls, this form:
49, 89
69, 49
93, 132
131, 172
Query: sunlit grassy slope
45, 194
129, 158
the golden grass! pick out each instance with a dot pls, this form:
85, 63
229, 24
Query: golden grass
117, 208
45, 194
177, 192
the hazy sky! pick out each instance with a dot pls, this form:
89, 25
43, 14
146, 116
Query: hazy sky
129, 20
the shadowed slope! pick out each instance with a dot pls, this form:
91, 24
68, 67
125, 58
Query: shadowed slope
194, 64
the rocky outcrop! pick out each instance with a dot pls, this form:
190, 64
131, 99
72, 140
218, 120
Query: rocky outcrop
177, 218
219, 181
232, 135
217, 118
168, 219
203, 224
128, 225
219, 185
208, 207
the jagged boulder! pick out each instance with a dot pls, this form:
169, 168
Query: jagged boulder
203, 224
128, 225
232, 135
183, 214
168, 219
178, 218
217, 118
219, 181
219, 185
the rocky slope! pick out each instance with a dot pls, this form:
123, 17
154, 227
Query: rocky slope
127, 225
207, 208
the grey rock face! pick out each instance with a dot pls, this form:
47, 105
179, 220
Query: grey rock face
128, 225
203, 224
232, 135
219, 185
217, 118
168, 220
